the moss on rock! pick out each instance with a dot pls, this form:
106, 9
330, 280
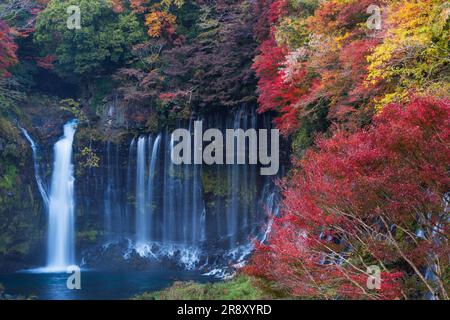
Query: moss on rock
239, 288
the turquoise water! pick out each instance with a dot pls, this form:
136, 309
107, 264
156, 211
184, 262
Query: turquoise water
95, 285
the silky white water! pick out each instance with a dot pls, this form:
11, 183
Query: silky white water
39, 181
151, 186
141, 214
61, 245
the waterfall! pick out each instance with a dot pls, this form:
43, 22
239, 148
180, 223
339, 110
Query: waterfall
187, 195
129, 185
141, 226
37, 173
198, 207
109, 191
270, 204
151, 186
202, 216
237, 181
169, 233
145, 192
176, 213
61, 245
187, 212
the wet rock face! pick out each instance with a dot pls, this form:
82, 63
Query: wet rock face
216, 208
123, 255
105, 195
45, 120
20, 222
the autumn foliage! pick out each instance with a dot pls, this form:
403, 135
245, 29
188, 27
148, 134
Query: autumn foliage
374, 197
330, 55
373, 190
7, 49
159, 22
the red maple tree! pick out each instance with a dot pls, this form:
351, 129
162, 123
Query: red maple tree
375, 197
7, 49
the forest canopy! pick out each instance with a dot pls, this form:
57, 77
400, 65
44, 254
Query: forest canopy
105, 38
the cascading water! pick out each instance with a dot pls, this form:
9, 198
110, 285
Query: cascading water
110, 192
149, 221
141, 212
129, 186
197, 216
169, 194
39, 181
61, 245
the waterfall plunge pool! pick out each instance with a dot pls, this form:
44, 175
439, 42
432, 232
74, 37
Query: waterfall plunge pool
168, 208
95, 285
